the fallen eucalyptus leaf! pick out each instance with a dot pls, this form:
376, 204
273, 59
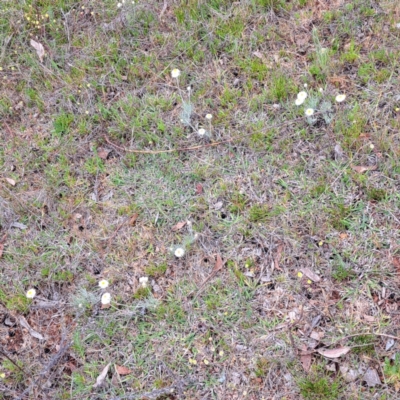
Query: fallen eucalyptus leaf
18, 225
39, 49
178, 226
310, 274
101, 378
360, 169
11, 181
334, 353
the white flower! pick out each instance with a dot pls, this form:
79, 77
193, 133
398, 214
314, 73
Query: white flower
208, 116
398, 25
103, 283
106, 298
321, 90
309, 112
119, 5
175, 73
305, 85
201, 132
179, 252
340, 97
143, 281
189, 88
302, 95
299, 102
31, 293
371, 146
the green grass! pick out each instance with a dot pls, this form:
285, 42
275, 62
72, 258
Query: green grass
92, 137
319, 387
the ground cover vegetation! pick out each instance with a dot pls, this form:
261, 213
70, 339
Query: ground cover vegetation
199, 199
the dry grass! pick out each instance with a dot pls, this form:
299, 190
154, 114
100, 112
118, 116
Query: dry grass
309, 243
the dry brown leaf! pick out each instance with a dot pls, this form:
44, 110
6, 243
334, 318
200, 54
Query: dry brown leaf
310, 274
305, 359
11, 181
178, 226
103, 153
101, 378
258, 54
39, 49
122, 370
218, 264
133, 219
334, 353
360, 169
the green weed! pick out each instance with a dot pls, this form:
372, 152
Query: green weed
391, 369
317, 387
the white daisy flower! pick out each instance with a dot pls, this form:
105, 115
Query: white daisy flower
106, 298
175, 73
299, 102
31, 293
179, 252
201, 132
103, 283
340, 97
309, 112
302, 95
208, 116
143, 281
321, 90
119, 5
305, 85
